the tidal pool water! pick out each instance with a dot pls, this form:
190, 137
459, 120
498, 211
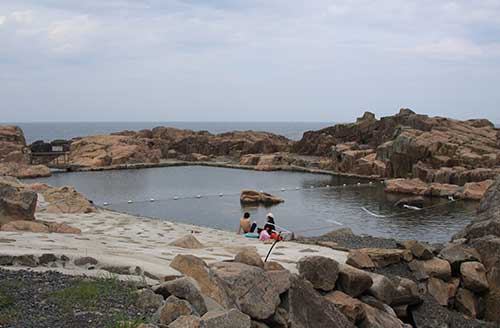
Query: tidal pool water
310, 207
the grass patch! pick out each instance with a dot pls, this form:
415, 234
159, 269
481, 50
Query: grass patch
7, 312
86, 294
121, 321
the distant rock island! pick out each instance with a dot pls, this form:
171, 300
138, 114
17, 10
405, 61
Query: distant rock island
414, 153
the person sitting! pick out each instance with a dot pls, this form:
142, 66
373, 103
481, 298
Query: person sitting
270, 224
245, 224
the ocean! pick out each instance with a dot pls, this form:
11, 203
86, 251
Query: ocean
49, 131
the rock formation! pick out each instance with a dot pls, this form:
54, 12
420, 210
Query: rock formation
106, 150
433, 149
15, 155
16, 203
252, 197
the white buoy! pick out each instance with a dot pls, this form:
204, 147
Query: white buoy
344, 185
199, 196
297, 188
283, 189
261, 191
105, 203
130, 202
370, 182
221, 194
328, 186
176, 198
152, 200
312, 187
359, 183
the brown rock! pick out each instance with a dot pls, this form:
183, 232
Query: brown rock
13, 145
442, 291
382, 288
30, 226
421, 251
406, 186
307, 308
105, 150
458, 254
474, 276
15, 202
321, 271
250, 287
383, 257
466, 302
188, 241
62, 199
272, 266
476, 190
249, 256
62, 228
24, 171
256, 197
353, 281
210, 284
187, 321
431, 268
280, 280
349, 306
184, 288
359, 260
173, 309
226, 319
375, 318
407, 292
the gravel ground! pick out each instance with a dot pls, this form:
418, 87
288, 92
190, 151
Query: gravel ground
350, 241
51, 299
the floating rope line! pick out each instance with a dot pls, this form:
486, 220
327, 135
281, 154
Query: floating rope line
220, 195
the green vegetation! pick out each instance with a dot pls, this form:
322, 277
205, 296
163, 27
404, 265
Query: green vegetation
87, 293
7, 311
122, 322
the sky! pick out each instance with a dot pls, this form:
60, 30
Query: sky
261, 60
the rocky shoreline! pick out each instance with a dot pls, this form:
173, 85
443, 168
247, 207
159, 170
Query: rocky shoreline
416, 154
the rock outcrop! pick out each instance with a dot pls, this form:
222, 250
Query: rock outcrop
15, 155
106, 150
432, 149
16, 203
252, 197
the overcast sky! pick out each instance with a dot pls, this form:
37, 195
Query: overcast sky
261, 60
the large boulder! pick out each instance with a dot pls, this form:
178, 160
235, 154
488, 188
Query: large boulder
184, 288
376, 318
351, 307
431, 268
407, 292
457, 254
16, 203
226, 319
173, 309
187, 241
353, 281
250, 287
466, 302
61, 200
382, 288
359, 260
383, 257
474, 276
24, 171
252, 197
208, 281
442, 291
249, 256
321, 271
308, 309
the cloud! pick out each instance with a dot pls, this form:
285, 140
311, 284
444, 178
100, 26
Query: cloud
70, 36
278, 59
450, 49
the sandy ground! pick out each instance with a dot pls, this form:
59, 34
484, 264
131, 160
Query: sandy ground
121, 239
